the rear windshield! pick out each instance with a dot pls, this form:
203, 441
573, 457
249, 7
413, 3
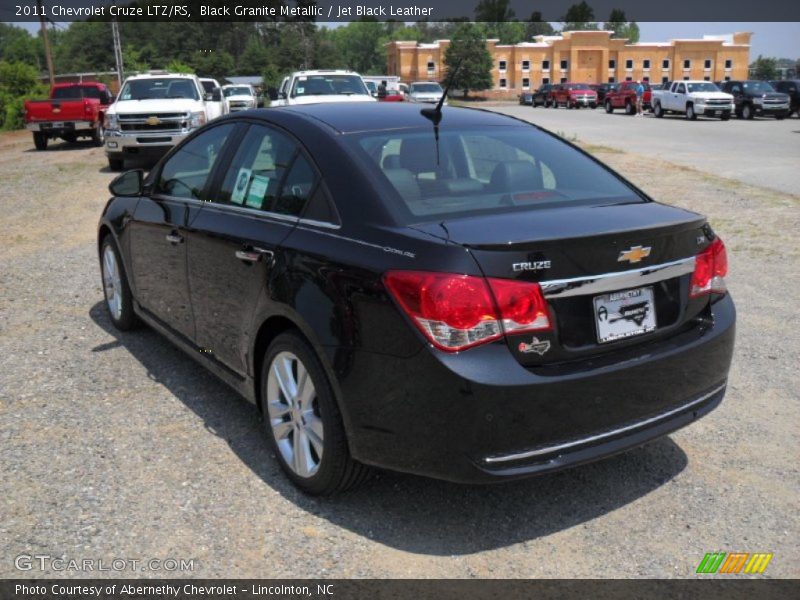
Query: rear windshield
486, 170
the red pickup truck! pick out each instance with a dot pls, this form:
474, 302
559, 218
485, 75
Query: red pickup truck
573, 95
625, 97
73, 110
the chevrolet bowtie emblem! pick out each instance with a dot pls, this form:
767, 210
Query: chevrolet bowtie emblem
635, 254
153, 121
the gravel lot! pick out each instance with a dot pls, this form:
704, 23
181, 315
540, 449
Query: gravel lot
118, 445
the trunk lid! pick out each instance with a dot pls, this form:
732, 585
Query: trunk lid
61, 110
600, 249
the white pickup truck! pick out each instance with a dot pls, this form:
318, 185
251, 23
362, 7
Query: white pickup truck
152, 113
311, 87
692, 98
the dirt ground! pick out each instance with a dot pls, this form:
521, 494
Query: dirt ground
117, 445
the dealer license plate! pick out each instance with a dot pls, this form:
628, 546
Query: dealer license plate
625, 314
57, 124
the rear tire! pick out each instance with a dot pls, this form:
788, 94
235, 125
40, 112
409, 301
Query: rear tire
306, 430
658, 111
40, 140
747, 112
609, 108
119, 300
116, 164
98, 135
630, 109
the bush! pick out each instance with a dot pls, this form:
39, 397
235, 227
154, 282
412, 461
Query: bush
18, 82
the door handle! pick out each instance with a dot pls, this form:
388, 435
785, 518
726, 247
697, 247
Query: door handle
253, 255
174, 238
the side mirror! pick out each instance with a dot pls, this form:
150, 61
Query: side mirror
282, 95
129, 183
216, 95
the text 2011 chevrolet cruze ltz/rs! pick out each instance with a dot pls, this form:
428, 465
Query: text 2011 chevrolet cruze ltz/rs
456, 294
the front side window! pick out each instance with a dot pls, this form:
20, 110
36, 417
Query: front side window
159, 87
681, 88
185, 174
484, 170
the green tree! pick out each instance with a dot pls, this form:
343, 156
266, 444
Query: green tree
764, 68
254, 58
620, 27
493, 11
360, 45
216, 64
579, 17
17, 45
467, 50
535, 26
18, 82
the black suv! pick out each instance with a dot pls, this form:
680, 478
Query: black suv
753, 98
541, 97
789, 87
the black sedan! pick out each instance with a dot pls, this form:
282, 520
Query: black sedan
526, 98
457, 294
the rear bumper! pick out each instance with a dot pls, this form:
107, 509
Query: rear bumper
480, 417
63, 127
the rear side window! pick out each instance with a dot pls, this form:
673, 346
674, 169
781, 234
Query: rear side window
497, 169
185, 174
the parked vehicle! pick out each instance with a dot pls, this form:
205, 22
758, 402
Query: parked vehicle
753, 98
152, 113
310, 87
790, 87
693, 98
425, 91
72, 110
458, 294
240, 97
217, 106
393, 93
625, 97
526, 98
574, 95
542, 96
602, 89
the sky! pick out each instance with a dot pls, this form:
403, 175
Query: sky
780, 40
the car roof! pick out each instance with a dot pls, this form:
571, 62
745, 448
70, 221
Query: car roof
353, 117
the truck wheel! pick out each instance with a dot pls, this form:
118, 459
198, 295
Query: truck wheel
609, 108
658, 111
98, 135
690, 114
40, 140
747, 112
115, 164
629, 108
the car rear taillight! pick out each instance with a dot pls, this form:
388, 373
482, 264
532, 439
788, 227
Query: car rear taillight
710, 268
456, 312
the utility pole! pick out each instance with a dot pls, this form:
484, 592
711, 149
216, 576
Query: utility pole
48, 55
117, 51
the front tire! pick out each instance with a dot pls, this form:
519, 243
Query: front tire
630, 109
119, 300
690, 114
98, 135
609, 108
747, 112
116, 164
303, 421
40, 140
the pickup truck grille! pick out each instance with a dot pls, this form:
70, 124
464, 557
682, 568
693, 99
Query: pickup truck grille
775, 101
156, 122
718, 102
240, 104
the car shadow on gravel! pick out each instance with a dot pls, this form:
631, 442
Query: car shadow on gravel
411, 513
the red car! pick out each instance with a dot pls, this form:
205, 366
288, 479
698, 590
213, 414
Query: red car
573, 95
625, 97
73, 110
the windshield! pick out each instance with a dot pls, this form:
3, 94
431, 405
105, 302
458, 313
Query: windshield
239, 90
426, 88
706, 86
328, 85
758, 87
485, 170
166, 87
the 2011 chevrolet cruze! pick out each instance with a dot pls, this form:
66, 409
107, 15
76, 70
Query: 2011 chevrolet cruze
453, 293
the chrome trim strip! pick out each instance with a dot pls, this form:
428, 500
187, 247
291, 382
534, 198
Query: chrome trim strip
607, 434
608, 282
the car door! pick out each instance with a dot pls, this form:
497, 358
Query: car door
234, 242
158, 229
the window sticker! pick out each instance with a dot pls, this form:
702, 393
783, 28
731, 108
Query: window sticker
258, 189
300, 90
240, 188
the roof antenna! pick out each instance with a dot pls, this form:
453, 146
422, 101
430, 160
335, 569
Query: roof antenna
434, 115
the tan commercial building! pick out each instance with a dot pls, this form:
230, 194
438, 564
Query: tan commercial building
586, 57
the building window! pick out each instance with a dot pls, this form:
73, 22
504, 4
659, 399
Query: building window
664, 79
687, 64
545, 65
563, 80
629, 64
431, 65
646, 79
665, 63
526, 65
728, 63
545, 80
707, 78
526, 83
503, 82
646, 63
686, 78
502, 66
612, 64
727, 77
629, 79
612, 80
564, 65
707, 64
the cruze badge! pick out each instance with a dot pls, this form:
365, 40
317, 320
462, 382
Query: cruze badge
537, 346
635, 254
537, 265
